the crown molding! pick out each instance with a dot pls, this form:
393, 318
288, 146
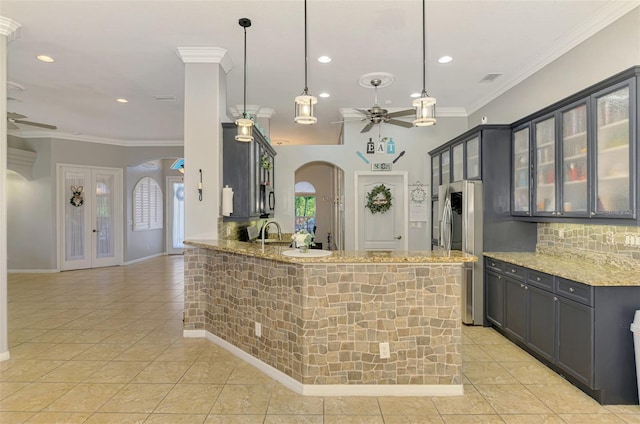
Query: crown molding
206, 55
252, 110
606, 16
9, 28
94, 139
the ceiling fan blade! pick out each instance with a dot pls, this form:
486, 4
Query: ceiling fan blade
13, 115
364, 112
12, 126
400, 123
36, 124
349, 120
367, 127
401, 113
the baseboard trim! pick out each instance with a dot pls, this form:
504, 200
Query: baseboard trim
32, 271
5, 356
146, 258
330, 389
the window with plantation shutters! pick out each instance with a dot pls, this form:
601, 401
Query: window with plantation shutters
147, 205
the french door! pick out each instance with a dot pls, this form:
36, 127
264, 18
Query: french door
175, 212
89, 217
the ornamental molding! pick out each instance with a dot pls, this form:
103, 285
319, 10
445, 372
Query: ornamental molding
9, 28
205, 55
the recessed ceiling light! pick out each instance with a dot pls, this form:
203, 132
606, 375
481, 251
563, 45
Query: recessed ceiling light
324, 94
122, 100
445, 59
45, 58
324, 59
415, 95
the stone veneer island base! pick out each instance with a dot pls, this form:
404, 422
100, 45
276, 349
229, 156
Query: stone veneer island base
322, 319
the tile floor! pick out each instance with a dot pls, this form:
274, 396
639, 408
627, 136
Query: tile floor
106, 346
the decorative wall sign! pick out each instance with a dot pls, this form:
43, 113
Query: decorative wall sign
391, 147
381, 166
359, 153
381, 148
399, 156
379, 199
371, 148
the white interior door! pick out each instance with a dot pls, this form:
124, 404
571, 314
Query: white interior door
175, 215
382, 231
90, 211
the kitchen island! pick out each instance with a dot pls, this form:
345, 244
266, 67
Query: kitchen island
321, 325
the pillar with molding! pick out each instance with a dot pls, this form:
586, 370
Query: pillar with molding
205, 77
8, 32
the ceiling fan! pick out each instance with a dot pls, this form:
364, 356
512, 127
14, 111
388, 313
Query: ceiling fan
377, 114
16, 118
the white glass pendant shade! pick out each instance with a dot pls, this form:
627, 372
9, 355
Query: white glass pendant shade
304, 109
245, 129
425, 111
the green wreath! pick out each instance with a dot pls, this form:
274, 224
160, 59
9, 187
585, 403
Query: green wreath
379, 199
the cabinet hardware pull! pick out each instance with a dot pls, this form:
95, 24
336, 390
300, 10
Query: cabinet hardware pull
526, 287
513, 270
499, 277
521, 285
555, 299
571, 289
538, 278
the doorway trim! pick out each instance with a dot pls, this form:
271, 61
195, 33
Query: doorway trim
169, 249
357, 210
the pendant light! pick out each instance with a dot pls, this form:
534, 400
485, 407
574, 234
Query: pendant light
425, 105
304, 102
244, 124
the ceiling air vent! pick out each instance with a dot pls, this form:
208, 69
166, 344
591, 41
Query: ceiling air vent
489, 78
166, 98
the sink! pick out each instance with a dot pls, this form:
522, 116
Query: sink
311, 253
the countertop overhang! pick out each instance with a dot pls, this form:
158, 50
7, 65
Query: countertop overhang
337, 256
575, 269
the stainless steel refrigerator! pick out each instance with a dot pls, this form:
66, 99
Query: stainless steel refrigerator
460, 217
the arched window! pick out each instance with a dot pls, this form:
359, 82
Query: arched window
147, 205
305, 206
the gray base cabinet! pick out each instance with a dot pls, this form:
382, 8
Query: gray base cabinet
580, 331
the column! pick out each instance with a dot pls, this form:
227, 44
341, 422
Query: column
8, 32
205, 76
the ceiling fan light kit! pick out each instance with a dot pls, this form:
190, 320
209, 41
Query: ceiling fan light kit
304, 102
425, 106
244, 125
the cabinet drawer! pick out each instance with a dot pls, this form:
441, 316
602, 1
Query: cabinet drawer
494, 265
540, 280
579, 292
515, 271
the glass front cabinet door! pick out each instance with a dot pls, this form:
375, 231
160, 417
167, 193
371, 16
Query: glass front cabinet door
574, 160
458, 162
473, 158
445, 166
521, 172
614, 153
435, 174
544, 166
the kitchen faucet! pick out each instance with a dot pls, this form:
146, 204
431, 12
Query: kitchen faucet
264, 229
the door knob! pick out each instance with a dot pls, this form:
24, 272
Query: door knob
95, 231
398, 237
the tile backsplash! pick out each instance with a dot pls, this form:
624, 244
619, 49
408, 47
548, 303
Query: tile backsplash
601, 244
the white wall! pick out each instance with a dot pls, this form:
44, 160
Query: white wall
416, 142
612, 50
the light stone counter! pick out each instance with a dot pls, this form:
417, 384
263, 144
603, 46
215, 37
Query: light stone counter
574, 269
321, 321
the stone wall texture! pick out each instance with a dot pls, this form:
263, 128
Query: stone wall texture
322, 323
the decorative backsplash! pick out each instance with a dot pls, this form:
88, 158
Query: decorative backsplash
601, 244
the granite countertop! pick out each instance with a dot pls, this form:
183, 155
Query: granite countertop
575, 269
337, 256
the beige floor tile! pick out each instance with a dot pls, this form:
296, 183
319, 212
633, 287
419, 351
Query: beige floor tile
59, 418
532, 419
286, 402
55, 336
630, 418
293, 419
100, 418
234, 419
102, 352
209, 372
508, 353
85, 397
472, 419
64, 351
17, 336
7, 388
141, 352
566, 399
405, 419
484, 335
353, 419
623, 409
244, 373
30, 350
162, 372
28, 369
474, 353
175, 419
487, 373
122, 337
407, 406
213, 353
137, 398
73, 371
117, 372
470, 403
347, 405
243, 400
512, 399
34, 397
591, 419
532, 372
15, 417
190, 399
181, 353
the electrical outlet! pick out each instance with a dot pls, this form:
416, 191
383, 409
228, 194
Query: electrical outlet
385, 353
258, 329
561, 233
629, 240
609, 237
638, 240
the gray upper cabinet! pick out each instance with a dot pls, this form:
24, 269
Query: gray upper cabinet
578, 158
